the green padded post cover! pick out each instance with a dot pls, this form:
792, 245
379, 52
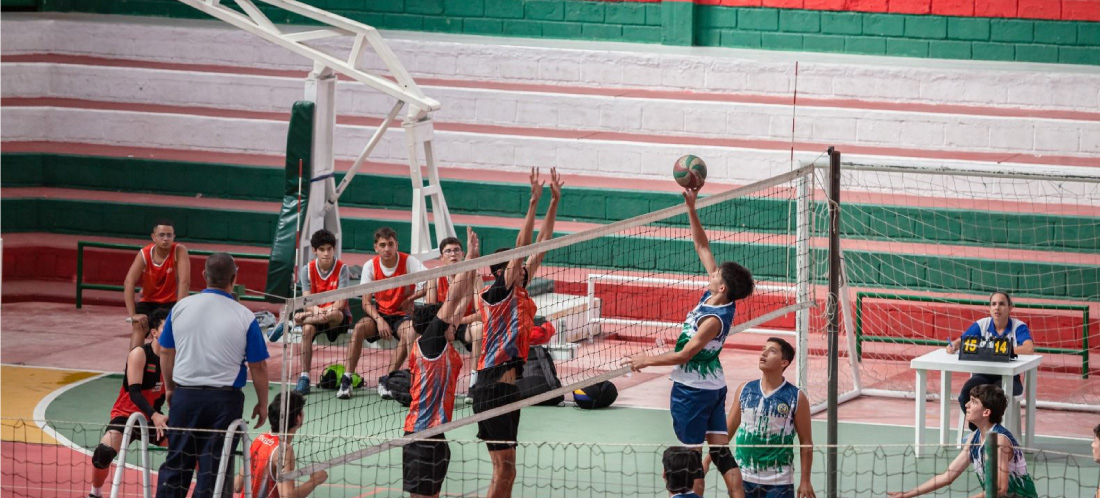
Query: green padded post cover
299, 147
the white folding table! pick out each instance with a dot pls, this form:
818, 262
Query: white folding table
939, 359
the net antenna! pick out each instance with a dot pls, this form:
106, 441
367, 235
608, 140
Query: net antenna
320, 88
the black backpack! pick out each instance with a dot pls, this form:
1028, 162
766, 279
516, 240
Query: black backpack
539, 376
598, 395
399, 384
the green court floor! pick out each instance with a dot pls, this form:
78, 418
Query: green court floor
614, 452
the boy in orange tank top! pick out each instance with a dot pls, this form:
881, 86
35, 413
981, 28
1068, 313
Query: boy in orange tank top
468, 331
264, 455
163, 270
389, 313
324, 273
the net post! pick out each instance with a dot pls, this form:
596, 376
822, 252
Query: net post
834, 317
991, 464
802, 317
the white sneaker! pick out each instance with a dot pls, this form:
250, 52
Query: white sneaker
382, 391
344, 392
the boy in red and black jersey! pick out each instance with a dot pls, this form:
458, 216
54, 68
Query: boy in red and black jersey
163, 270
435, 367
469, 330
388, 312
264, 455
507, 313
142, 391
324, 273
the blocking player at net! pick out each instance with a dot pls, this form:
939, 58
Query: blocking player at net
435, 366
765, 416
388, 312
142, 391
264, 462
163, 269
985, 410
469, 329
324, 273
508, 314
698, 397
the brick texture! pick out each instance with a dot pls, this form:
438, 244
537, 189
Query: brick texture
995, 8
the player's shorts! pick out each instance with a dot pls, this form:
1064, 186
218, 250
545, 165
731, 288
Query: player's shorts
503, 427
424, 465
697, 412
394, 321
753, 490
333, 332
460, 336
118, 424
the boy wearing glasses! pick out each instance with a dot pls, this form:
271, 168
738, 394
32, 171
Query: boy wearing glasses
469, 327
163, 270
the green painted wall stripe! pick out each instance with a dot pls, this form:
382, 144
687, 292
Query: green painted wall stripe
861, 221
768, 262
687, 23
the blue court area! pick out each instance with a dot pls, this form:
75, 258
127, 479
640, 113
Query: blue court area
613, 452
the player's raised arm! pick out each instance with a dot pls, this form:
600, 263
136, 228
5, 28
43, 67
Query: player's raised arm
511, 273
454, 307
546, 232
698, 235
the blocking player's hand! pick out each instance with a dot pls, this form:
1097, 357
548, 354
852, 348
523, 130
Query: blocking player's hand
319, 477
160, 421
384, 330
555, 184
259, 413
473, 245
536, 186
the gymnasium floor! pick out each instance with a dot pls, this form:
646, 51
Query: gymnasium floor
581, 453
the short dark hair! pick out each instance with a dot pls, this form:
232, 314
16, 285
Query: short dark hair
1003, 293
384, 233
220, 270
785, 348
322, 237
993, 398
503, 264
1096, 431
275, 410
683, 466
738, 280
156, 317
449, 241
162, 222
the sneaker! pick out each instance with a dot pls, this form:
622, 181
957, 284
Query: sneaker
382, 391
303, 385
276, 333
345, 388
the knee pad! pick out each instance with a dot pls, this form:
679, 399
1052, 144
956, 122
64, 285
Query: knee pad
103, 456
723, 459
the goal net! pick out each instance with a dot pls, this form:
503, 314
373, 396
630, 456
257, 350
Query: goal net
610, 291
925, 247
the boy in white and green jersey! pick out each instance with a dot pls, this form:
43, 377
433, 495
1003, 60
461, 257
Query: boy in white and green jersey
766, 415
985, 410
698, 399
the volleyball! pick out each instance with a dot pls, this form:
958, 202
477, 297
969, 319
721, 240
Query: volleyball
690, 172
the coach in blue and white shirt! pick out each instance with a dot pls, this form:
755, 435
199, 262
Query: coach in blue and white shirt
207, 339
999, 324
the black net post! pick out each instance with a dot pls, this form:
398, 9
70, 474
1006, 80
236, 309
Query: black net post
991, 464
834, 317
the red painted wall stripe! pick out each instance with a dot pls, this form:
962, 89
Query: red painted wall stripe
1064, 10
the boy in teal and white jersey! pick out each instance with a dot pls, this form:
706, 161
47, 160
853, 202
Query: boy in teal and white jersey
766, 415
985, 410
698, 399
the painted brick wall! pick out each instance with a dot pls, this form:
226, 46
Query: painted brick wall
1001, 30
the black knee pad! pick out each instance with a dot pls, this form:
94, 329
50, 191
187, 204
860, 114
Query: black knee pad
723, 458
103, 456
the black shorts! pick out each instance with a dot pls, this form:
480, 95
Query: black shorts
333, 332
503, 427
147, 308
460, 336
118, 424
424, 465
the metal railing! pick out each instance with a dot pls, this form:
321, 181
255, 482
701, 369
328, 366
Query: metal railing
1083, 352
81, 286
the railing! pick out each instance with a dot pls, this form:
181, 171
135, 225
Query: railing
80, 285
861, 337
146, 464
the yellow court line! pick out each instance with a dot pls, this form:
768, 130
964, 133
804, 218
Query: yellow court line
23, 389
